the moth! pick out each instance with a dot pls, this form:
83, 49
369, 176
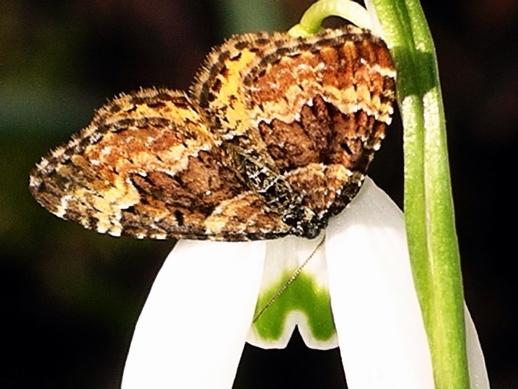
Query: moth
273, 138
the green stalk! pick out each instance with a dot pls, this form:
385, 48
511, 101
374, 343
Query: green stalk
429, 213
312, 19
429, 209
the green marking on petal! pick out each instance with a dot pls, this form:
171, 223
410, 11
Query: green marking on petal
303, 295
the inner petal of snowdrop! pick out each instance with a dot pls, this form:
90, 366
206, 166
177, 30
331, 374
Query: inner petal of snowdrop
294, 293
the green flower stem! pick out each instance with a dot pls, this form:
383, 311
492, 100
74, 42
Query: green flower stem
429, 209
429, 213
312, 19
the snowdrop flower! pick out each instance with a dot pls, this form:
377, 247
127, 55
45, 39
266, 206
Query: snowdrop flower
350, 287
356, 291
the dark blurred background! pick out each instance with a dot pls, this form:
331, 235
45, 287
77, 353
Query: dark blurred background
70, 297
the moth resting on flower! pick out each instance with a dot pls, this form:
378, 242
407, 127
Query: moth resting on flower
274, 137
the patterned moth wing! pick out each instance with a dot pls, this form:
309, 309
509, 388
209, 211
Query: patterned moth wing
301, 117
148, 166
275, 137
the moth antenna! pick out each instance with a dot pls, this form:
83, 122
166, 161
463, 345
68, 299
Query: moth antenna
292, 278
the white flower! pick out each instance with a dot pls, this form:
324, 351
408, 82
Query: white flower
200, 310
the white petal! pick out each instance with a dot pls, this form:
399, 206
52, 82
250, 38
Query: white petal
380, 329
375, 307
303, 304
192, 330
477, 366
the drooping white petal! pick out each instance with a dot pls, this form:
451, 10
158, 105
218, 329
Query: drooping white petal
192, 330
478, 377
380, 330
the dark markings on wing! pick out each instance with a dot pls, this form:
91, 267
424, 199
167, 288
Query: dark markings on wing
295, 103
275, 136
149, 168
